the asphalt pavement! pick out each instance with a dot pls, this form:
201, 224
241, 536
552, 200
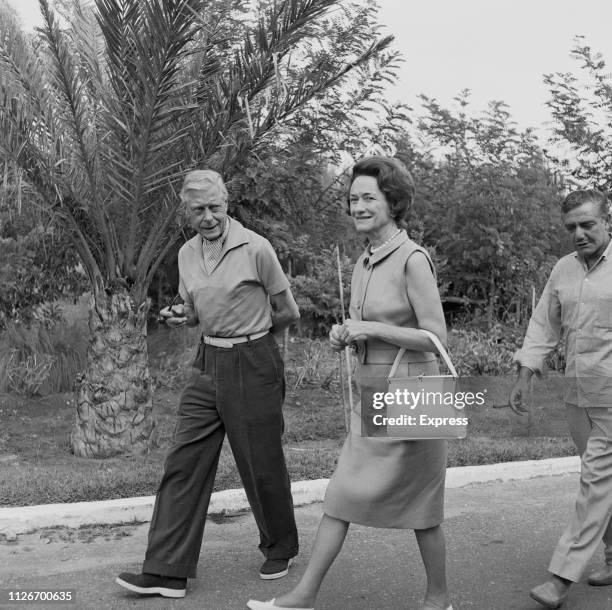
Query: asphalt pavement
500, 536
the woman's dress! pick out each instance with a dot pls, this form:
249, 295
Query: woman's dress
384, 482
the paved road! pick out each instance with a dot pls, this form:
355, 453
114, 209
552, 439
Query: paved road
500, 537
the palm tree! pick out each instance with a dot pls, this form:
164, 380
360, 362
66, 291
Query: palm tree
104, 111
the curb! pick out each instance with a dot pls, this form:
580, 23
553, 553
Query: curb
23, 519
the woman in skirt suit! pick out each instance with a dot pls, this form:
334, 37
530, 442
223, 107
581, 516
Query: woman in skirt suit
382, 482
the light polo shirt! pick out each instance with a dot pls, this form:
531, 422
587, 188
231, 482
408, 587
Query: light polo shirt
576, 304
233, 300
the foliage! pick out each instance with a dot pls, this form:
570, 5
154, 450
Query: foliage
489, 353
479, 350
38, 266
40, 359
103, 116
581, 106
487, 201
317, 289
317, 365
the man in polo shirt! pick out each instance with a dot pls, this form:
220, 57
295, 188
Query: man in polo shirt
234, 288
577, 301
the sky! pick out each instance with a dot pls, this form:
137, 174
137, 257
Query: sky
499, 49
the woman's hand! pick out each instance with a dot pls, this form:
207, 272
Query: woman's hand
355, 330
335, 338
349, 333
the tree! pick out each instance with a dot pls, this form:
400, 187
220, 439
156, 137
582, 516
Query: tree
488, 203
102, 116
581, 106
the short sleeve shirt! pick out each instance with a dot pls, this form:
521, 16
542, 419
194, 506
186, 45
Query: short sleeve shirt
233, 300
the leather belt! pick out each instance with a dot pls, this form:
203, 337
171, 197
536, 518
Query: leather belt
229, 342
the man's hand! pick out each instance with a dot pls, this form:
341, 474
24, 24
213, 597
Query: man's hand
174, 315
520, 391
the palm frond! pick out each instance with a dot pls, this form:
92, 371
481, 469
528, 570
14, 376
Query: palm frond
104, 116
146, 43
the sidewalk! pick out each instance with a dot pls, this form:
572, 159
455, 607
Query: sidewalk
500, 537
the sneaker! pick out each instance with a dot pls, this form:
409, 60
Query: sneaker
153, 584
274, 568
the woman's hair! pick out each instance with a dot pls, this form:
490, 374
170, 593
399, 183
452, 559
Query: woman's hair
577, 198
394, 181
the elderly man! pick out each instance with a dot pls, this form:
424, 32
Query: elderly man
234, 288
577, 301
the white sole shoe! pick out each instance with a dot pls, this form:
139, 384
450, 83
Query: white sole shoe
163, 591
253, 604
277, 574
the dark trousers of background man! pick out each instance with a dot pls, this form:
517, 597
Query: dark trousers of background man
238, 391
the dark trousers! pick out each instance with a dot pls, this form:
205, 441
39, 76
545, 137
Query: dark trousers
240, 391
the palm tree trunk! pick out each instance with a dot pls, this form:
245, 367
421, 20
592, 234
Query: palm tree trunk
115, 395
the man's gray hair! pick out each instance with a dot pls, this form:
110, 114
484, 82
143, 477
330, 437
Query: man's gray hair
207, 181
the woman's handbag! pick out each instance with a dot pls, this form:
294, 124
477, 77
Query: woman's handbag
425, 406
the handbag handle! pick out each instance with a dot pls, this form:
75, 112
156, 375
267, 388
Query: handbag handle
437, 343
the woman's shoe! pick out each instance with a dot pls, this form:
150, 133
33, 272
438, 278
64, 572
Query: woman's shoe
253, 604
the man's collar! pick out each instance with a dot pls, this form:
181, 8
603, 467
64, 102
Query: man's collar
236, 235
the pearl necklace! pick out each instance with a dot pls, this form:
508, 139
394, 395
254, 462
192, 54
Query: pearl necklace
373, 250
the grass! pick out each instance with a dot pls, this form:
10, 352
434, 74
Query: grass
36, 466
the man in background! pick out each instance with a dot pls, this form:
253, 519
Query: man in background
577, 302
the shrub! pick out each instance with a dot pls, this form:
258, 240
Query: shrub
41, 358
489, 352
312, 362
36, 268
478, 352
